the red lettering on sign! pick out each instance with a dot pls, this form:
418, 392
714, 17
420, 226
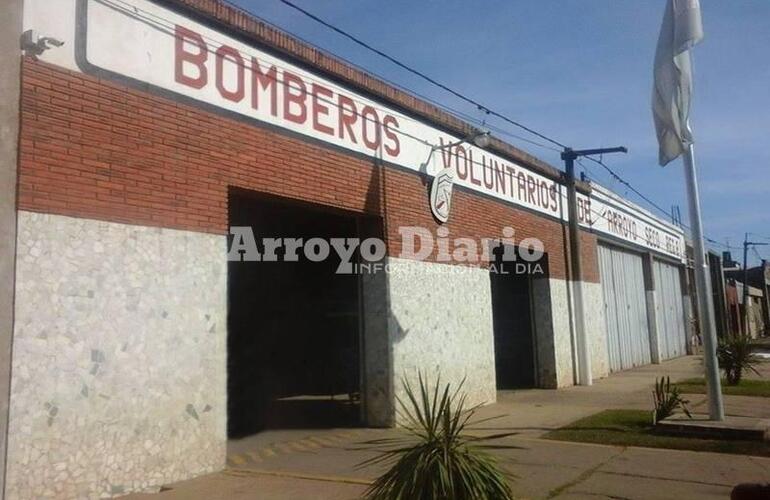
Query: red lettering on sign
225, 53
302, 102
531, 188
489, 184
554, 202
511, 174
320, 108
522, 186
184, 58
499, 178
264, 81
542, 193
471, 167
294, 97
348, 117
371, 121
462, 173
394, 147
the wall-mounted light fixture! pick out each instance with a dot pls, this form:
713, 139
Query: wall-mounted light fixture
33, 44
480, 139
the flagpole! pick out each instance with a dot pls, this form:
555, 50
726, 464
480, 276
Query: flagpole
703, 289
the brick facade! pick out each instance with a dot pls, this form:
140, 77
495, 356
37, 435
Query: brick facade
93, 148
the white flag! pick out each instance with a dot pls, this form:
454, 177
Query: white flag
680, 31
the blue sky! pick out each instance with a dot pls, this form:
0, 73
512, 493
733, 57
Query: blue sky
580, 71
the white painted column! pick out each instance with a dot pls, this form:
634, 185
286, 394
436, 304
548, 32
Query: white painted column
650, 293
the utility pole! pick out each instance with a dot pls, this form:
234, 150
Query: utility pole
746, 245
581, 341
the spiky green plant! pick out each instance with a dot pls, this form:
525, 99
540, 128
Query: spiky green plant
667, 400
437, 459
735, 355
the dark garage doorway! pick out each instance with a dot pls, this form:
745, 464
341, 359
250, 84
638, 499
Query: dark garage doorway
293, 327
512, 323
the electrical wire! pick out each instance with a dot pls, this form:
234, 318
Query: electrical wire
133, 11
619, 179
421, 74
480, 106
448, 109
154, 20
465, 98
157, 22
166, 29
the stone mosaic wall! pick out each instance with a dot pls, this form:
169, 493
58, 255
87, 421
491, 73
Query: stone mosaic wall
562, 331
596, 329
119, 358
543, 324
441, 322
463, 344
378, 352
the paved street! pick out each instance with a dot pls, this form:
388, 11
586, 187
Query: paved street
323, 463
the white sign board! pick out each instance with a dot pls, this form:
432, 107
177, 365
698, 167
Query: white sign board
620, 219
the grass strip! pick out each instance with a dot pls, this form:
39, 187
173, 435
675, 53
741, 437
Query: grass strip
634, 428
747, 387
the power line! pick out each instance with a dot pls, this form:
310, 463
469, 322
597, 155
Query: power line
165, 26
465, 98
645, 198
134, 12
469, 100
760, 236
157, 22
627, 184
421, 74
450, 110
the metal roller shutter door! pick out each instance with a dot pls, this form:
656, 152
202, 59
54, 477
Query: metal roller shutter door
625, 309
669, 311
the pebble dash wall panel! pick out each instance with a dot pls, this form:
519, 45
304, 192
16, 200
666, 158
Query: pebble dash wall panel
119, 358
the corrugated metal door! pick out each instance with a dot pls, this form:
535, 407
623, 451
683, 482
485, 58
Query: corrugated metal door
625, 308
669, 311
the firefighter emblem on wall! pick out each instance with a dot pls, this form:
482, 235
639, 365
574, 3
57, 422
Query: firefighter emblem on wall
441, 194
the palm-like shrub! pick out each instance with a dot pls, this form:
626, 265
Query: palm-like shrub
437, 459
667, 400
735, 355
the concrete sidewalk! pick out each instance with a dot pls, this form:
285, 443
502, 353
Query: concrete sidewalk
543, 469
322, 464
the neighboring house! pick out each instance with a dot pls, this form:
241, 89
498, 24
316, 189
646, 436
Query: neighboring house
719, 293
759, 291
748, 317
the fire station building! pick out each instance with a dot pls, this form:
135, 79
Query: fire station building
139, 347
